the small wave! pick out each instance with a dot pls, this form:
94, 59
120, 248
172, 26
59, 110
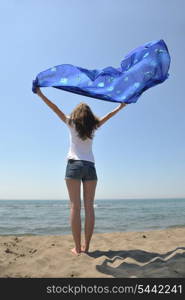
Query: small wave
177, 226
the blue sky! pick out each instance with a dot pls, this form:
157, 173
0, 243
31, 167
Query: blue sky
140, 152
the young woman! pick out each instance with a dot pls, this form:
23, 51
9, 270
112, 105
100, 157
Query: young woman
82, 124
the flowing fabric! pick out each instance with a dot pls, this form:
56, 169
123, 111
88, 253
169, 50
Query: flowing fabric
142, 68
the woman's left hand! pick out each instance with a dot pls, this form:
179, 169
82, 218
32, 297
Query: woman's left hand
38, 90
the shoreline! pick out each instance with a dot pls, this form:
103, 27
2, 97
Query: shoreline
146, 254
111, 232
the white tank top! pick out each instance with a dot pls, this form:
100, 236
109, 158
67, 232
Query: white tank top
79, 149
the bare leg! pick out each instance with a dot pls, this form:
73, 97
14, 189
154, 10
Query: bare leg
73, 186
89, 188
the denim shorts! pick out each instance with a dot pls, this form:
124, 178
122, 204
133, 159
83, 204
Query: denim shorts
80, 169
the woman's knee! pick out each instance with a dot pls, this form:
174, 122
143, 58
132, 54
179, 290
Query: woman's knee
75, 207
89, 209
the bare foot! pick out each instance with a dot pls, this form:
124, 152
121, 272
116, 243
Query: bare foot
84, 249
75, 252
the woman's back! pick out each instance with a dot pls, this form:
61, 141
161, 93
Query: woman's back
79, 149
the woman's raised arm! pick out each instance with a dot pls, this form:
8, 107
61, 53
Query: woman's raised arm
53, 106
111, 114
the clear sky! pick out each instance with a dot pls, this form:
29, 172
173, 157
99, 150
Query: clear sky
140, 152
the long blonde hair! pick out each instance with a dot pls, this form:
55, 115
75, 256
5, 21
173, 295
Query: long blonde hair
84, 120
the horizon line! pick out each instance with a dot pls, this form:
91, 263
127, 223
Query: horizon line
138, 198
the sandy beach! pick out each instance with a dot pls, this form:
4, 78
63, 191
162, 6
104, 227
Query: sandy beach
147, 254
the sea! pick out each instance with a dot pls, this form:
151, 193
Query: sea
52, 217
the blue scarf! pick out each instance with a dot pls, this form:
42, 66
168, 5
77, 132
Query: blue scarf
142, 68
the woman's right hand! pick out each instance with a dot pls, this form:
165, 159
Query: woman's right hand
122, 105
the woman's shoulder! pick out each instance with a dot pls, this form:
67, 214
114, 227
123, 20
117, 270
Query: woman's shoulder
67, 121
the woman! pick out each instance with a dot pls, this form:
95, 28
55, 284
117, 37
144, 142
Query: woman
82, 124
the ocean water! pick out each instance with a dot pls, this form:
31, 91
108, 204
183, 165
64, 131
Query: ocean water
51, 217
